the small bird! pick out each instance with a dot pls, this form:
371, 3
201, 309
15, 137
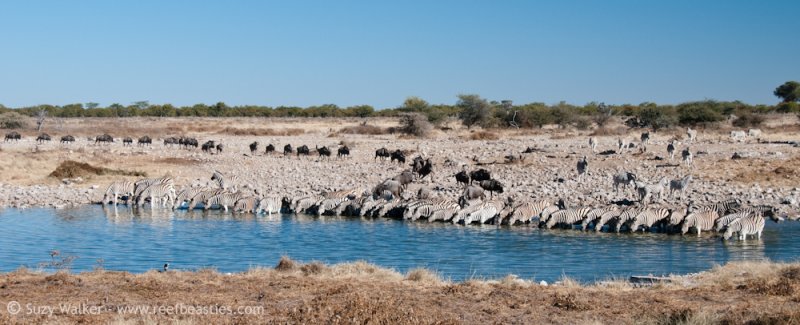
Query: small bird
166, 267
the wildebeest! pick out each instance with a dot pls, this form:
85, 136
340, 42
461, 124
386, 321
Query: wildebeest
188, 142
43, 137
127, 141
391, 186
471, 192
208, 146
404, 178
324, 151
399, 156
145, 140
343, 151
492, 185
463, 177
302, 150
253, 147
287, 150
13, 135
171, 140
270, 148
219, 148
104, 138
382, 153
423, 167
479, 175
67, 138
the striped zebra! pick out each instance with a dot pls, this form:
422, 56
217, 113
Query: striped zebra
524, 212
412, 206
186, 195
142, 184
691, 134
202, 197
649, 217
727, 219
446, 213
163, 193
567, 217
118, 189
246, 205
595, 214
671, 149
606, 217
724, 207
622, 145
627, 216
223, 201
269, 205
679, 185
480, 212
303, 203
226, 182
593, 144
651, 191
429, 207
687, 157
700, 221
752, 224
331, 203
547, 212
351, 207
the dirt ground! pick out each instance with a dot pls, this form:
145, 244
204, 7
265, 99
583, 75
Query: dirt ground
359, 293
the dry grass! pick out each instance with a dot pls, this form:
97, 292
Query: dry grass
261, 132
762, 293
774, 172
363, 129
72, 169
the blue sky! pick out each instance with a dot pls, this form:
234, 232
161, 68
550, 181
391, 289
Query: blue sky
379, 52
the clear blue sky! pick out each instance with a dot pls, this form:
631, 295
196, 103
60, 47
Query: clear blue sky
378, 53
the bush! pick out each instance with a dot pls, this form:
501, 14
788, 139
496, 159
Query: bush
13, 120
791, 107
474, 110
655, 117
748, 120
363, 129
484, 135
699, 113
415, 124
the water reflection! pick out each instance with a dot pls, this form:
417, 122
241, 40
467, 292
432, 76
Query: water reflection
143, 239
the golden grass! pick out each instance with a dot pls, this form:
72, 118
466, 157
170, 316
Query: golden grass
483, 135
363, 129
261, 131
72, 169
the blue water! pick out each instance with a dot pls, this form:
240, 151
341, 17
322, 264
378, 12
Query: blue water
142, 241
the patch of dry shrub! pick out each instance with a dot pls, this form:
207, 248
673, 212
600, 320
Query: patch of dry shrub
423, 275
72, 169
603, 131
286, 264
261, 132
363, 129
484, 135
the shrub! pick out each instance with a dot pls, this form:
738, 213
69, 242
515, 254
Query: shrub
484, 135
261, 132
748, 120
13, 120
699, 113
363, 129
474, 110
654, 117
415, 124
790, 107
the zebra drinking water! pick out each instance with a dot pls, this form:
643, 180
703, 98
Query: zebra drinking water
752, 224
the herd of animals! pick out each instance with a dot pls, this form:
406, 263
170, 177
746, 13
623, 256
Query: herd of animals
389, 198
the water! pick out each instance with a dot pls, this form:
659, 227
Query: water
143, 241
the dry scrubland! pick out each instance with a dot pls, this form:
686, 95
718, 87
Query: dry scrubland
754, 293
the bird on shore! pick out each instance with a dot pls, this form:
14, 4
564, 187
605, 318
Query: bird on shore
165, 268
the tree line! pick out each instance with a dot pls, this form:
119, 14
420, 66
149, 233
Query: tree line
471, 109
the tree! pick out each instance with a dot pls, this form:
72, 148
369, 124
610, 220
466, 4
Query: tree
415, 104
41, 116
474, 110
91, 105
142, 104
603, 114
788, 91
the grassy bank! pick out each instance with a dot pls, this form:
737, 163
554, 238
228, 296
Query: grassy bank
359, 292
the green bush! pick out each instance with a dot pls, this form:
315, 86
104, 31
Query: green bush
656, 117
699, 113
748, 120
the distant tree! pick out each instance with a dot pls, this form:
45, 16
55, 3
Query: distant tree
142, 104
603, 114
474, 110
788, 91
415, 104
91, 105
360, 110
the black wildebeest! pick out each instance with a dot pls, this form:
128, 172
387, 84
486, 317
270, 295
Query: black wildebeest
188, 142
104, 138
399, 156
382, 153
127, 141
471, 192
480, 175
324, 151
43, 137
172, 140
463, 177
67, 138
270, 148
423, 167
287, 150
253, 147
302, 150
406, 177
208, 146
219, 148
343, 151
492, 185
391, 186
13, 135
144, 141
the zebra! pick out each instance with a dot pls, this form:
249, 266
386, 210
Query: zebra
301, 204
157, 191
651, 191
622, 144
691, 134
225, 182
223, 200
604, 218
738, 136
671, 149
481, 212
444, 211
679, 185
202, 197
426, 208
723, 207
597, 215
699, 220
752, 224
581, 167
327, 204
649, 217
247, 204
186, 195
755, 134
645, 138
623, 178
568, 217
525, 211
269, 205
117, 189
546, 213
593, 144
142, 184
762, 210
687, 157
626, 216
